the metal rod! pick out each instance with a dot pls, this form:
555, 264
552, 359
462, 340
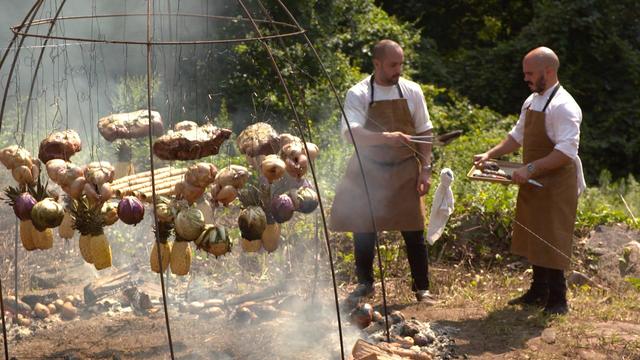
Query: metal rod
13, 65
18, 31
153, 179
4, 325
15, 36
311, 164
357, 153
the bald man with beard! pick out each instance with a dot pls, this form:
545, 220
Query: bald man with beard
549, 132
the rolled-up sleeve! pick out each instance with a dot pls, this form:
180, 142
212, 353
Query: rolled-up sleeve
356, 114
517, 132
421, 118
566, 127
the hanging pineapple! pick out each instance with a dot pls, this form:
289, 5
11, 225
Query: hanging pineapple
89, 221
164, 232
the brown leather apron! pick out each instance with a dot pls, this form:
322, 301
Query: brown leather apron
392, 176
549, 213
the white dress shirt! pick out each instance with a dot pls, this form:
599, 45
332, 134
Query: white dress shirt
356, 104
562, 124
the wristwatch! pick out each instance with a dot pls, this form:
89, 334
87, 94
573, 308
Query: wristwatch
531, 168
426, 167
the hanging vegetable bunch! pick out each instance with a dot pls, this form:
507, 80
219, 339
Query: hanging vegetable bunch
164, 212
38, 214
90, 220
37, 210
192, 188
282, 161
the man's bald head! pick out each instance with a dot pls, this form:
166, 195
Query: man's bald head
381, 49
543, 57
540, 68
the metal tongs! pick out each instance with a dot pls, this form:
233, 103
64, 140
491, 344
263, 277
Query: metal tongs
436, 140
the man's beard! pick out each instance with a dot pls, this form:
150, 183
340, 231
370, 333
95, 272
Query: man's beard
540, 85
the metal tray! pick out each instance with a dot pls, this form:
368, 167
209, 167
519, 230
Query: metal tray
506, 166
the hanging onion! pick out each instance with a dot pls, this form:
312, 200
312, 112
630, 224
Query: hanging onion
23, 205
130, 210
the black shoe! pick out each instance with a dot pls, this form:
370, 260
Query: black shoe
531, 297
361, 291
559, 308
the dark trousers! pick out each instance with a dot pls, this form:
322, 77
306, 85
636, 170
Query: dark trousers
551, 280
417, 253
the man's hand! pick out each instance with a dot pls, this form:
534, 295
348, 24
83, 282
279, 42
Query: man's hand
396, 138
424, 181
520, 176
479, 159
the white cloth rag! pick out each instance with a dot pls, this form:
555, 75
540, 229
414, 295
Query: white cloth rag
441, 207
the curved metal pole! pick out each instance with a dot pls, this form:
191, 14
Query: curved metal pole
13, 63
357, 153
4, 326
313, 172
15, 36
35, 72
153, 178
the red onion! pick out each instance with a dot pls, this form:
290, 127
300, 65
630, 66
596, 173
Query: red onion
24, 204
130, 210
282, 208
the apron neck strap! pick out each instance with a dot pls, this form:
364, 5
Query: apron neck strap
553, 93
371, 81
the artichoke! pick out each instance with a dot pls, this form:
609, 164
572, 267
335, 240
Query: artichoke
214, 240
282, 208
189, 223
305, 200
252, 222
110, 212
46, 214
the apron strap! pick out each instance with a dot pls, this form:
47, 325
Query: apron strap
373, 89
553, 93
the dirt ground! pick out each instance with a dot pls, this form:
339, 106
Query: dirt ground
501, 333
603, 323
